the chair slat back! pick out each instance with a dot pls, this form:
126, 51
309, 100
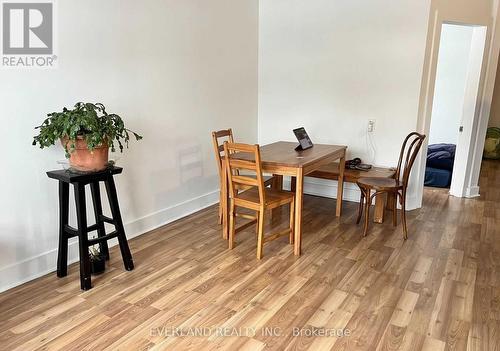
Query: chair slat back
218, 138
409, 151
234, 166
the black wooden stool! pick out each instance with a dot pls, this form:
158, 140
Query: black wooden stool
79, 180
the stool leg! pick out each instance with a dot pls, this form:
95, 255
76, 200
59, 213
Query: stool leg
83, 243
62, 252
96, 200
117, 218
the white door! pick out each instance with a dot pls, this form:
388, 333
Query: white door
463, 154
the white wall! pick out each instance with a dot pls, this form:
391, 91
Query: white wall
332, 65
174, 70
451, 78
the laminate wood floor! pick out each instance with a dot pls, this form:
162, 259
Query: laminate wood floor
440, 290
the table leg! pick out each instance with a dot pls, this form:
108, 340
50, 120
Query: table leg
277, 184
299, 192
340, 187
293, 184
390, 201
380, 200
224, 203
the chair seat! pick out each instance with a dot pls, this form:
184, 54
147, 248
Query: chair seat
274, 198
387, 184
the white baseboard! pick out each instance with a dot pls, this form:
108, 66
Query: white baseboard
44, 263
328, 188
473, 191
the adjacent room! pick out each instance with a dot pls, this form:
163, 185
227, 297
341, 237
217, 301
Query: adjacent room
460, 61
448, 104
250, 175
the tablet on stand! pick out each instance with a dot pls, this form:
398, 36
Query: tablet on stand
304, 140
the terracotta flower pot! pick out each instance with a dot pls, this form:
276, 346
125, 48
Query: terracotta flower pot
82, 159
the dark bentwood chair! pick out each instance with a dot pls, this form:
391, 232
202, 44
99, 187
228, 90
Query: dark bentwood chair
396, 187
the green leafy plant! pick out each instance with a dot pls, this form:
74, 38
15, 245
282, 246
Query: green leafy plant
95, 254
88, 121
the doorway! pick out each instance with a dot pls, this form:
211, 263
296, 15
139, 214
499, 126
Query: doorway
455, 107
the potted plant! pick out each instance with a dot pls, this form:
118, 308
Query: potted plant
97, 261
86, 133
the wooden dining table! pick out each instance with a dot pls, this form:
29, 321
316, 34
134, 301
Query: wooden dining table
281, 159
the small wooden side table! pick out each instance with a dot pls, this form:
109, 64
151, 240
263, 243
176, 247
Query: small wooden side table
79, 180
331, 172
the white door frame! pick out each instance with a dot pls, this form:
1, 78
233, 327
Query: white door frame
427, 95
470, 114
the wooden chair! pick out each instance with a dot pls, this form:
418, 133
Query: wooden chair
218, 139
396, 187
257, 197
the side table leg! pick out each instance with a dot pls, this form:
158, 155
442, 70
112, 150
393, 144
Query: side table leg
379, 213
81, 214
62, 252
117, 218
340, 186
96, 200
